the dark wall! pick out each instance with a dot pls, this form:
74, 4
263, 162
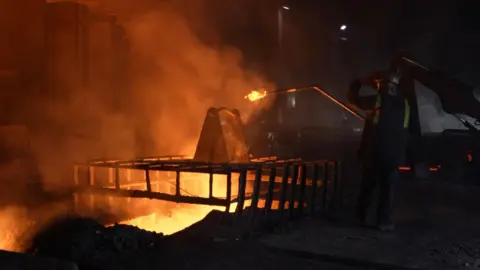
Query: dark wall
21, 56
440, 34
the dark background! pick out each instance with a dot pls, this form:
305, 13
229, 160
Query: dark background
441, 34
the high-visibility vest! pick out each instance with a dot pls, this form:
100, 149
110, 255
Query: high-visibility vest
378, 104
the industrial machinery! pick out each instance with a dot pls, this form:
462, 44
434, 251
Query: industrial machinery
308, 122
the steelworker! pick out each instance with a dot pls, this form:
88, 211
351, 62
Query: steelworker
384, 142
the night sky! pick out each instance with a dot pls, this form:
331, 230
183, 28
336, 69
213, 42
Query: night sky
441, 34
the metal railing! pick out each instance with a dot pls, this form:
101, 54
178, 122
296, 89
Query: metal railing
293, 187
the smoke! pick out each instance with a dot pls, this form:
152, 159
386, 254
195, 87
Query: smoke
81, 99
155, 107
178, 77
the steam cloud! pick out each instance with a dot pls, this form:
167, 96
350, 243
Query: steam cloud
184, 77
175, 78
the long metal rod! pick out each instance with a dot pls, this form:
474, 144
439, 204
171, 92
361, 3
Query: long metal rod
321, 91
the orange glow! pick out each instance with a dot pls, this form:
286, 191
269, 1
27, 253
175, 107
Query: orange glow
8, 73
170, 217
9, 239
181, 218
432, 169
15, 225
193, 76
256, 95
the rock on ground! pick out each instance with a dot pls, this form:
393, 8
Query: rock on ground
90, 244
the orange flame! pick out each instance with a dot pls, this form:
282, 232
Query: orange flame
181, 216
256, 95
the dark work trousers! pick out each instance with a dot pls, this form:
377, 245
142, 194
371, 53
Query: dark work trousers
381, 172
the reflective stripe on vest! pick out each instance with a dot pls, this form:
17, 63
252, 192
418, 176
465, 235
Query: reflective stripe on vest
378, 104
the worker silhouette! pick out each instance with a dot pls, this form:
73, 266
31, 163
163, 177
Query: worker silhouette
384, 142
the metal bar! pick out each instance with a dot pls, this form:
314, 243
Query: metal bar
128, 178
271, 185
210, 185
283, 191
325, 184
91, 182
262, 195
91, 176
321, 91
340, 184
75, 175
117, 178
335, 185
189, 162
75, 195
229, 192
152, 183
196, 166
154, 195
110, 183
314, 188
256, 189
303, 182
242, 182
177, 183
291, 203
147, 180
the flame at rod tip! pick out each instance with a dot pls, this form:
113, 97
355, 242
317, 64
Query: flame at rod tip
256, 95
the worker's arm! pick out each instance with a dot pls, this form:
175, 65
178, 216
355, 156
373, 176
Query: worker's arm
364, 103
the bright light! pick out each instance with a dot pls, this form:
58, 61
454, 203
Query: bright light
343, 27
256, 95
286, 8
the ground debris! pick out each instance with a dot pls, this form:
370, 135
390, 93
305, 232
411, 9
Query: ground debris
90, 244
464, 254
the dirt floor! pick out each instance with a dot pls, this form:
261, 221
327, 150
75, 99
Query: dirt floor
437, 228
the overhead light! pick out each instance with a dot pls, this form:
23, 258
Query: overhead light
286, 7
343, 27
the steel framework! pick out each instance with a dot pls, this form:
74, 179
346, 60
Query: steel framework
291, 184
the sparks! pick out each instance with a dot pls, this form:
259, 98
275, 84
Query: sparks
256, 95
